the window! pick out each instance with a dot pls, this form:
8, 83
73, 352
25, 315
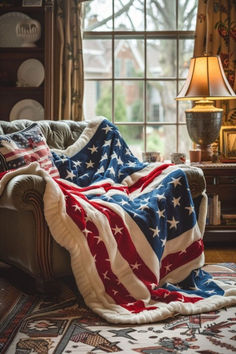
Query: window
136, 58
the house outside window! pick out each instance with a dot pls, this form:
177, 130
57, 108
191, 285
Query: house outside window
155, 112
136, 58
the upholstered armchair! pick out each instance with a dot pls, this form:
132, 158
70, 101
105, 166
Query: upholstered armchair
25, 240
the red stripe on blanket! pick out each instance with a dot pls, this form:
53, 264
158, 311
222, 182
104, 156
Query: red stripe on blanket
146, 180
166, 296
77, 190
175, 260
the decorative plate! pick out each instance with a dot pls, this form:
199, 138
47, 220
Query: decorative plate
29, 31
30, 73
27, 109
8, 22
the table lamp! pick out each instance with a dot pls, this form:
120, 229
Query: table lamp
205, 83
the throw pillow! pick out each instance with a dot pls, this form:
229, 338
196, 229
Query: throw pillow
23, 147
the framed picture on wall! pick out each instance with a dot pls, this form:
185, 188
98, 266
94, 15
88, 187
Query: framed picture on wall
32, 2
228, 143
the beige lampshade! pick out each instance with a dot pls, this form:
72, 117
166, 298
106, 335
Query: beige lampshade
206, 80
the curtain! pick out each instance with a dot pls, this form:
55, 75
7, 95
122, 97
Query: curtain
69, 75
216, 35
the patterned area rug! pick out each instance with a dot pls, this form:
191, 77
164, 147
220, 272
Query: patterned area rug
63, 324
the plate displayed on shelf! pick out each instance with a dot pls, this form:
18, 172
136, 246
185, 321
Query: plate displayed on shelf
8, 22
30, 73
27, 109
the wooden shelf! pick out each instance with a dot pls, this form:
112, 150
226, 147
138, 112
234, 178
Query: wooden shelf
5, 51
21, 8
221, 227
22, 90
221, 180
29, 10
220, 236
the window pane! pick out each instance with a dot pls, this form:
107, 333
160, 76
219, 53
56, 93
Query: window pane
185, 54
163, 139
161, 58
97, 99
161, 15
129, 59
97, 15
129, 15
187, 11
134, 138
97, 58
161, 104
185, 143
129, 101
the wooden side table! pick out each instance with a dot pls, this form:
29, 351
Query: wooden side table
221, 181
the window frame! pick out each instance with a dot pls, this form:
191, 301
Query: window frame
144, 35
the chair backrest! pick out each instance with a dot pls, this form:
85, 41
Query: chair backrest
58, 134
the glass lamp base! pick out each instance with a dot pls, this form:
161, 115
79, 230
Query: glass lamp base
203, 129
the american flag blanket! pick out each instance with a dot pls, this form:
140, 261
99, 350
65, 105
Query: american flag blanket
132, 229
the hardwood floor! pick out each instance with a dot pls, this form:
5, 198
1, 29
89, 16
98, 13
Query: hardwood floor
220, 254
